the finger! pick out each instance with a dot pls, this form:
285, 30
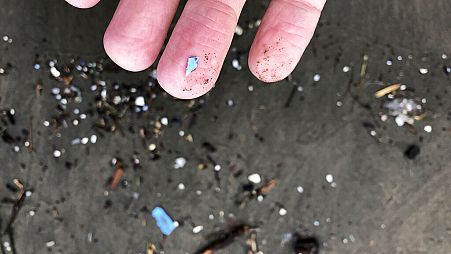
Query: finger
284, 33
137, 31
83, 3
205, 30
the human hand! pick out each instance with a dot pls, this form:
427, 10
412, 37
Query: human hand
205, 29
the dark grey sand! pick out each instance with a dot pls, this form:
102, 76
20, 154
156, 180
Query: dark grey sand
380, 200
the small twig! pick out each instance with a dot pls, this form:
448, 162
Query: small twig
290, 96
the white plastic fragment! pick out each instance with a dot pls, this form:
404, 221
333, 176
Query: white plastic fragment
424, 71
139, 101
197, 229
316, 77
283, 211
236, 64
164, 121
57, 153
55, 73
191, 65
50, 244
254, 178
239, 30
329, 178
180, 162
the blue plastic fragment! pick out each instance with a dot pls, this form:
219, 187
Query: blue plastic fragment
164, 222
191, 66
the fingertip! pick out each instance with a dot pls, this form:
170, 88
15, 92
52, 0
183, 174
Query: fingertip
126, 54
172, 79
269, 67
83, 4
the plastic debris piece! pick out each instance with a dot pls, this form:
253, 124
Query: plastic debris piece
254, 178
424, 71
164, 222
405, 110
283, 211
55, 73
316, 77
329, 178
236, 64
179, 162
197, 229
140, 101
191, 65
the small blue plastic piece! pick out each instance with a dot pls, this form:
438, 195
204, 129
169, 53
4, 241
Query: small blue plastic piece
164, 222
191, 66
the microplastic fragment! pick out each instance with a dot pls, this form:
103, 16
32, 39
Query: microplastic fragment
254, 178
283, 211
164, 222
140, 101
55, 73
236, 64
57, 153
50, 244
191, 65
197, 229
329, 178
164, 121
93, 139
179, 162
424, 71
316, 77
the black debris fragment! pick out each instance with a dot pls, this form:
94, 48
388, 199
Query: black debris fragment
412, 151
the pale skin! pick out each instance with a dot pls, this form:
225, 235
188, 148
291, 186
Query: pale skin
205, 29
